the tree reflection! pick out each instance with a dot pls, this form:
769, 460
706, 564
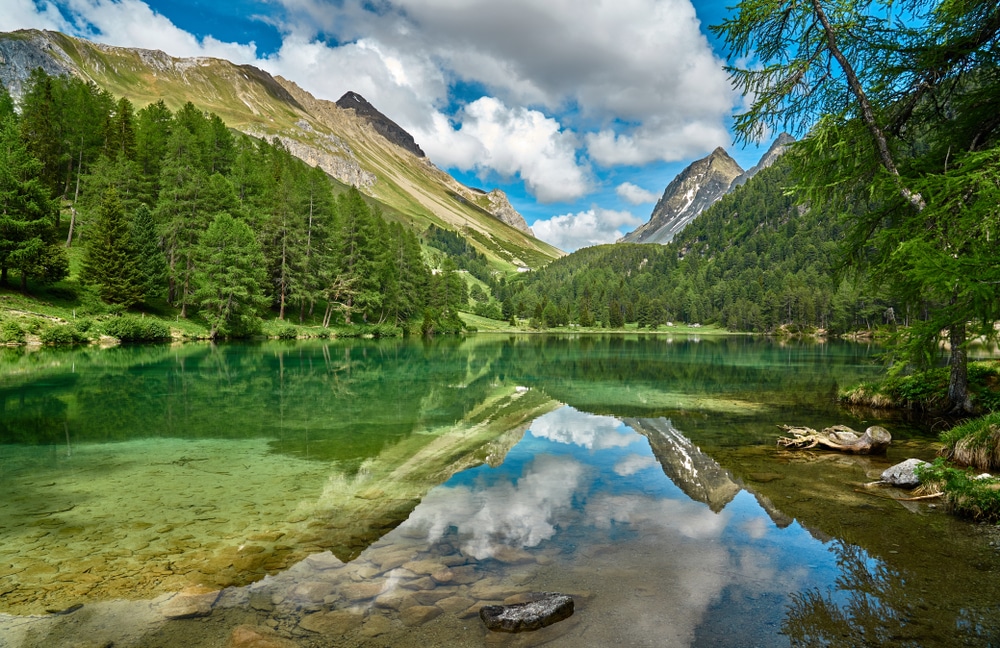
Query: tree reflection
875, 605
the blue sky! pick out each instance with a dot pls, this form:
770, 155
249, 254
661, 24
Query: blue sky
581, 111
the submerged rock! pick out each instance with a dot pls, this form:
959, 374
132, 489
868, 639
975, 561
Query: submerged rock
548, 608
904, 475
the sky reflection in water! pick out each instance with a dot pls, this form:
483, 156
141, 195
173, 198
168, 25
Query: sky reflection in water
591, 489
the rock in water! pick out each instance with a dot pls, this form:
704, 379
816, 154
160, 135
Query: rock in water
549, 608
904, 475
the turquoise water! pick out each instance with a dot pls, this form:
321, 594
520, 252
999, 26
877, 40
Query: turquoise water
379, 493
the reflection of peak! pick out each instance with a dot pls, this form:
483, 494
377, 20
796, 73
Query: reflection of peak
694, 472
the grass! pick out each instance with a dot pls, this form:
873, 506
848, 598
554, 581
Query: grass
968, 495
485, 325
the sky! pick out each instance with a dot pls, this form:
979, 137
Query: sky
582, 111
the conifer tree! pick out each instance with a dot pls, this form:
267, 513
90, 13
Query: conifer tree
152, 265
231, 277
112, 261
27, 214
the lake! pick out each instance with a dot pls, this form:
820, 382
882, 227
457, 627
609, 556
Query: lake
377, 493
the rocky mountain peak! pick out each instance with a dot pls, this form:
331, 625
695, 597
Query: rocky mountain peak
779, 146
382, 124
691, 192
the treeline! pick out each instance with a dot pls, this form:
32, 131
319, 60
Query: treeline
174, 206
754, 261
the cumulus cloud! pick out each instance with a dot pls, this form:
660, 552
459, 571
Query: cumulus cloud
634, 463
633, 194
570, 426
640, 77
507, 514
595, 226
551, 91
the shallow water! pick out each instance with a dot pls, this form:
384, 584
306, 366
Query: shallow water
379, 493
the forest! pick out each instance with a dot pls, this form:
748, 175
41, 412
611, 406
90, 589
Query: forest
172, 210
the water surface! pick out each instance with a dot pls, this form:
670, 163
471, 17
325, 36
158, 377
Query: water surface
378, 493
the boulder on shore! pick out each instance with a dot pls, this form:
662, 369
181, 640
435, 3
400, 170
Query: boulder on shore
546, 609
904, 474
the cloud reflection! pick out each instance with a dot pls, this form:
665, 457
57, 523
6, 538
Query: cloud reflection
570, 426
634, 463
517, 514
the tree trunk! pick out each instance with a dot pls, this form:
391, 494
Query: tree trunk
959, 401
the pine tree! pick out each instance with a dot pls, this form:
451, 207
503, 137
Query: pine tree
152, 265
231, 277
112, 263
27, 214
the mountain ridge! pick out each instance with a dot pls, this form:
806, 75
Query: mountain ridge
347, 146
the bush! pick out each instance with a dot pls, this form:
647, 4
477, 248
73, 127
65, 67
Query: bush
11, 333
287, 332
61, 335
966, 494
129, 328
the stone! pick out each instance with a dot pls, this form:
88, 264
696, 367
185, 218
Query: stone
335, 623
904, 475
546, 608
361, 591
190, 603
455, 605
245, 636
419, 614
376, 625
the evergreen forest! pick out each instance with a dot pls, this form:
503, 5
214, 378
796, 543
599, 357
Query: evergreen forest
172, 213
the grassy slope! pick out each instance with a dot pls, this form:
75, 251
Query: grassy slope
249, 100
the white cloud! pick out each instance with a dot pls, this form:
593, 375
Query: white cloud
635, 195
570, 426
595, 226
634, 463
565, 85
513, 514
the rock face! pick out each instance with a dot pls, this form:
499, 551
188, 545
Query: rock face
501, 208
904, 475
547, 609
382, 124
24, 52
695, 189
779, 146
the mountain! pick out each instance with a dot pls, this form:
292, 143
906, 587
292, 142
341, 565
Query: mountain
385, 126
693, 190
349, 144
779, 146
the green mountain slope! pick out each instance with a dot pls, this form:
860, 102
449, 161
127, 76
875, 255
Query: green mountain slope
319, 132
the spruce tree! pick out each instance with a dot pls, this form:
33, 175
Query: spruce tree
152, 265
112, 262
231, 277
27, 214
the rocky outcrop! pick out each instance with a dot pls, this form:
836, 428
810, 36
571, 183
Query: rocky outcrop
382, 124
904, 475
333, 155
24, 51
695, 189
543, 611
501, 208
779, 146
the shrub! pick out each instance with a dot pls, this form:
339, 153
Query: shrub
287, 332
61, 335
129, 328
975, 443
11, 333
966, 494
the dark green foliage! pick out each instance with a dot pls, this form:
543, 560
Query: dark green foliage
966, 493
151, 265
130, 328
465, 256
27, 214
112, 263
231, 278
61, 335
11, 333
